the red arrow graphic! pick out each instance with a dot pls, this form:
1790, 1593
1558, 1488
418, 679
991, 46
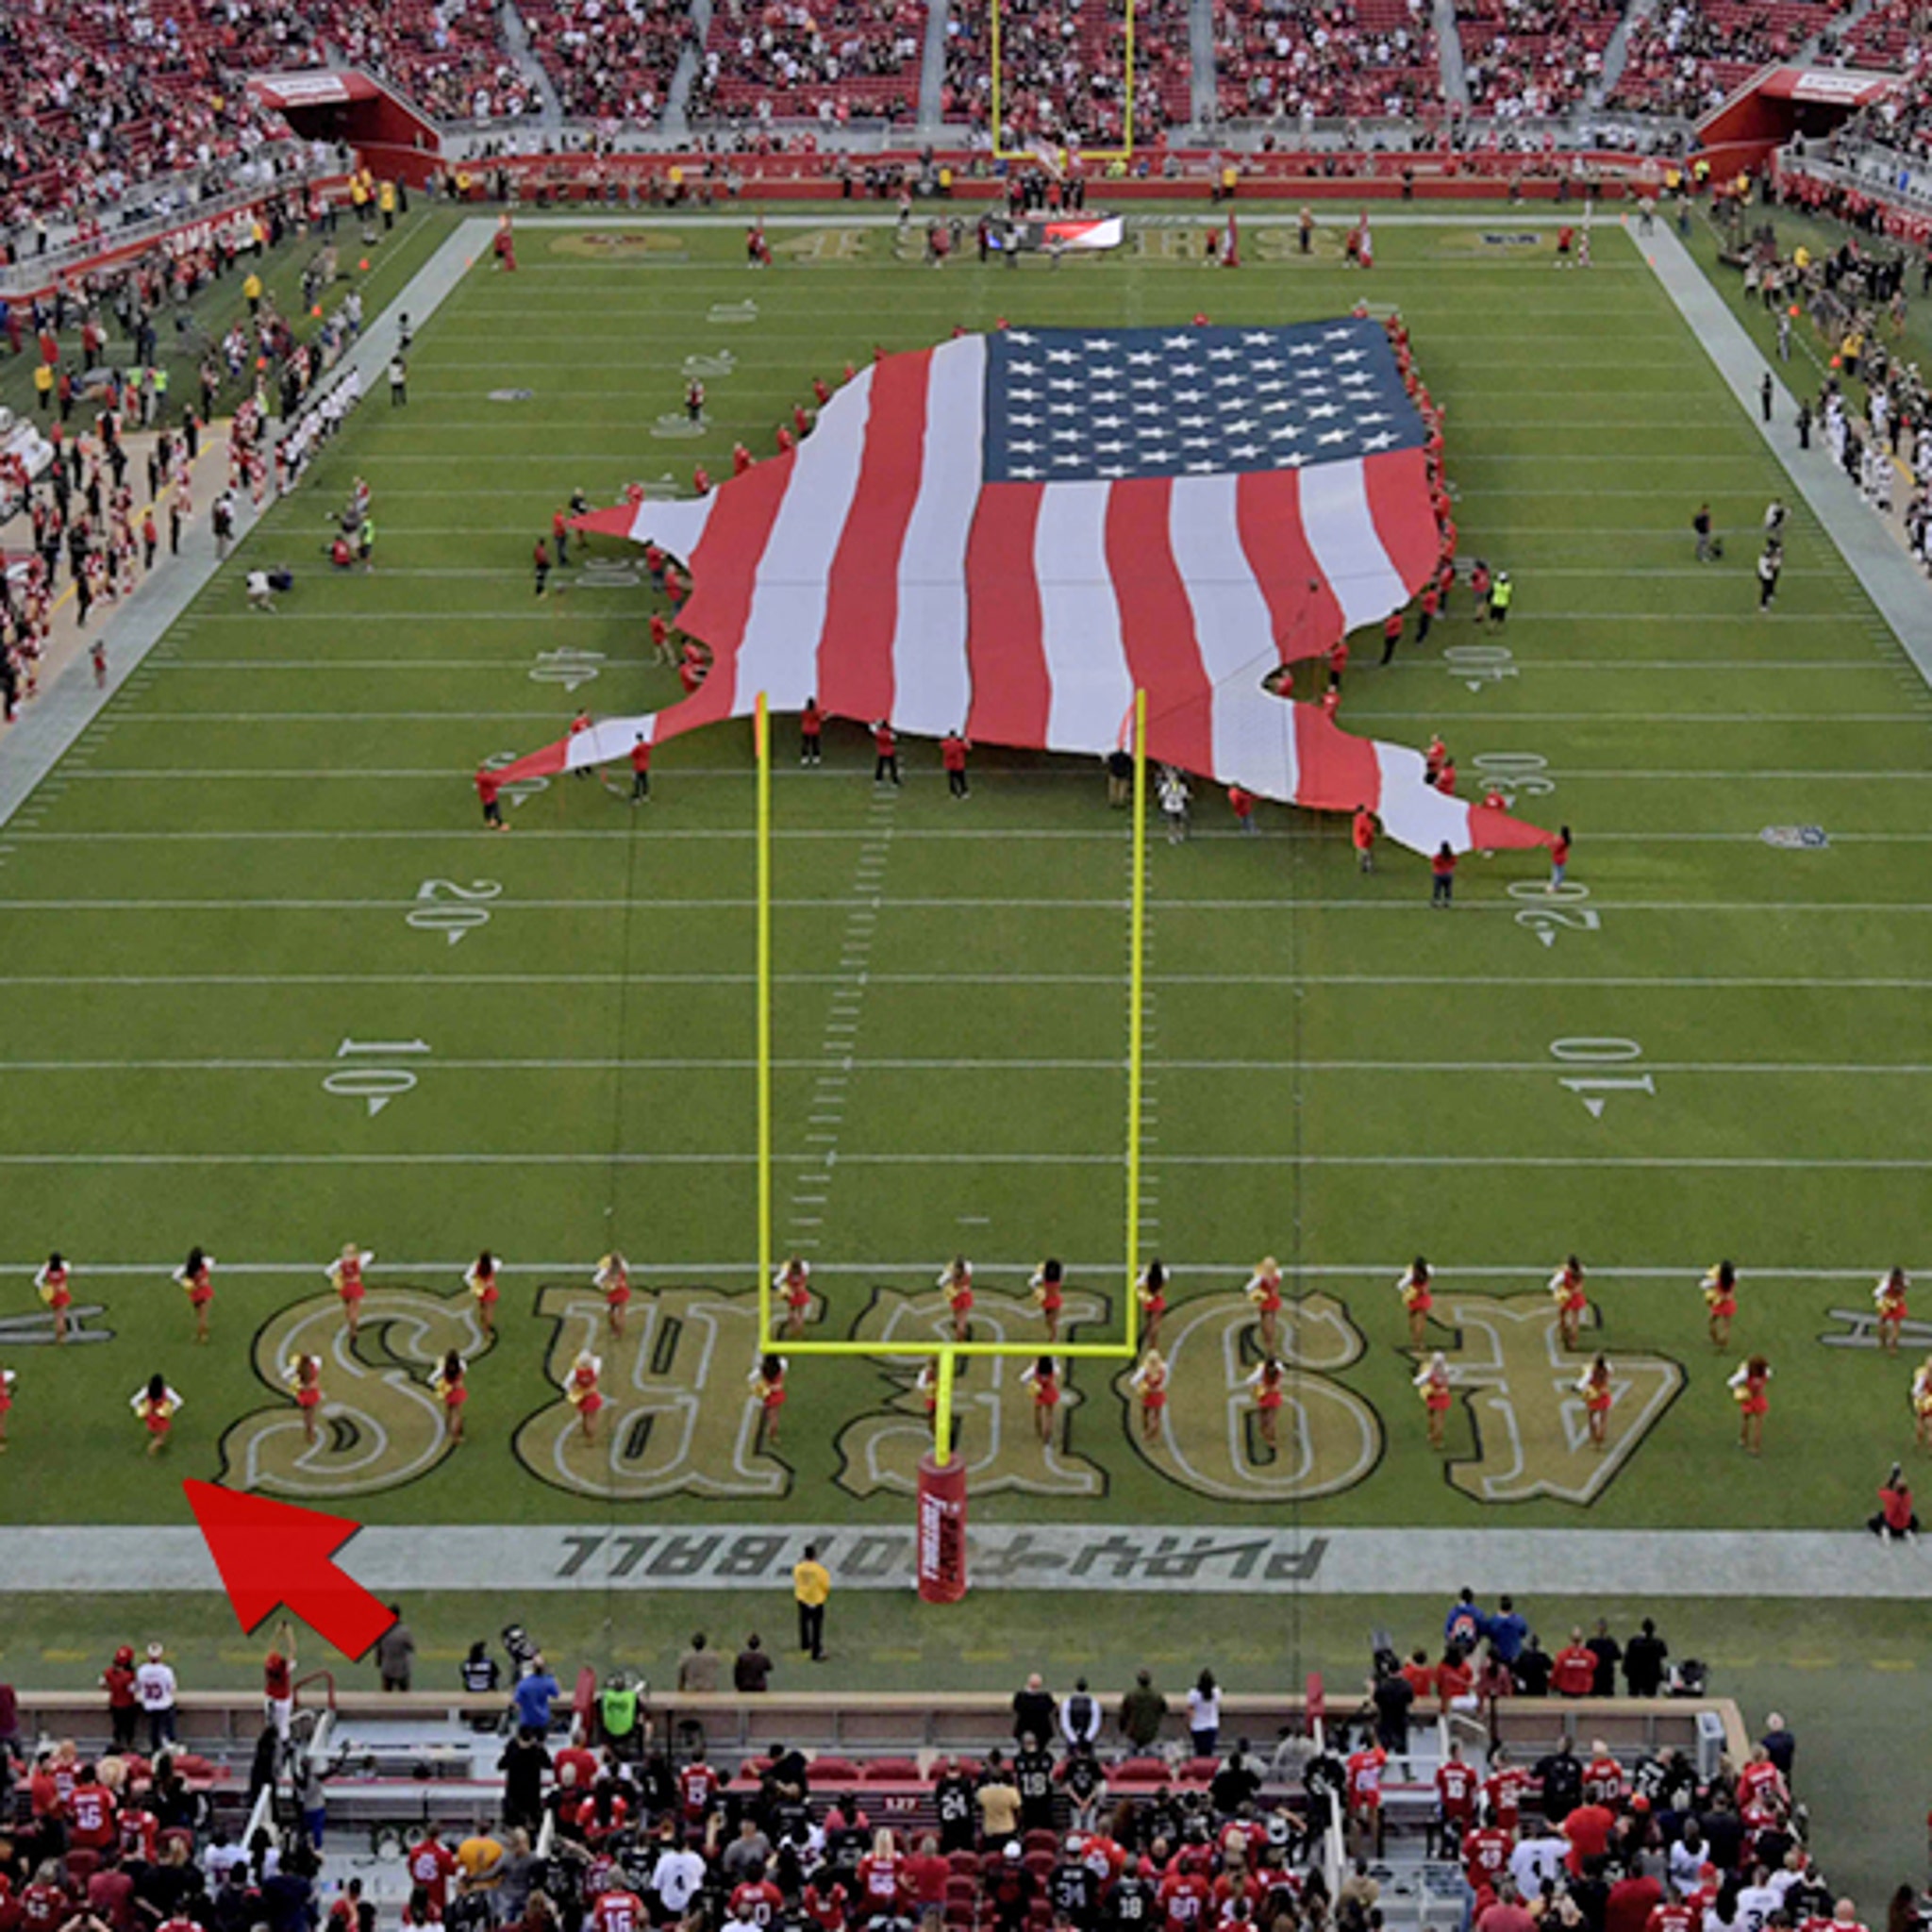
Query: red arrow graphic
273, 1553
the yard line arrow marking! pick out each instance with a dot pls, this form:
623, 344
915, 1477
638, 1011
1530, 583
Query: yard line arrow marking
272, 1553
1595, 1105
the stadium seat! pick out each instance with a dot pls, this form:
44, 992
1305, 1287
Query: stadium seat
891, 1771
835, 1771
1198, 1771
965, 1865
1140, 1771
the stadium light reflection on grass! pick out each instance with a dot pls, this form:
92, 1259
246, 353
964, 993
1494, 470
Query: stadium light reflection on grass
948, 1353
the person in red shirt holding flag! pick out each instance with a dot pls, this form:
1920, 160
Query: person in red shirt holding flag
489, 787
741, 459
885, 744
640, 771
1363, 835
559, 537
811, 727
1392, 635
1240, 801
1442, 867
952, 750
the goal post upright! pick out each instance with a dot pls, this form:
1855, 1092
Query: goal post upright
762, 732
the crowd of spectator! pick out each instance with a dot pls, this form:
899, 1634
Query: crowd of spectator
820, 60
610, 62
1688, 55
1303, 58
1528, 57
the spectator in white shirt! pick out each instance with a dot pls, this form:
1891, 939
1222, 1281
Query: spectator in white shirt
154, 1684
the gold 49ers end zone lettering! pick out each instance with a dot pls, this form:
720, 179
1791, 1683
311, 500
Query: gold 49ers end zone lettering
382, 1425
678, 1418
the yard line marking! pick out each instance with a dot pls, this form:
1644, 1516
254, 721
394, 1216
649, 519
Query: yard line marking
866, 915
1767, 1163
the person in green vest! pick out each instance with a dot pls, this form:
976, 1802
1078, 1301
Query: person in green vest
618, 1713
157, 386
1501, 591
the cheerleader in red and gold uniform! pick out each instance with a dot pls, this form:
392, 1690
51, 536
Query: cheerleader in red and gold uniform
1921, 1403
612, 1281
1721, 1299
1593, 1385
1152, 1290
1048, 1285
345, 1277
767, 1380
197, 1277
1264, 1294
1149, 1382
1432, 1381
928, 1389
1269, 1382
1571, 1300
450, 1388
581, 1391
1751, 1390
1889, 1299
955, 1284
302, 1374
54, 1282
1418, 1297
793, 1281
1045, 1378
8, 1379
480, 1277
156, 1405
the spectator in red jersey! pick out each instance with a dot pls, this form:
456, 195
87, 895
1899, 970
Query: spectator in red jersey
1573, 1673
117, 1680
1506, 1914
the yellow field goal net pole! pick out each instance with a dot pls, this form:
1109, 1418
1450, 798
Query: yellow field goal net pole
761, 731
949, 1353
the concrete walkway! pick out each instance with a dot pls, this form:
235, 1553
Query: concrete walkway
521, 1558
69, 701
1865, 539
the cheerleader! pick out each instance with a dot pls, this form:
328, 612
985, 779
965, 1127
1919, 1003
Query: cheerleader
1269, 1382
793, 1281
1264, 1294
1571, 1300
1721, 1299
1593, 1385
8, 1379
955, 1284
1044, 1376
156, 1405
1149, 1382
581, 1391
196, 1277
345, 1277
1048, 1285
1751, 1390
612, 1281
302, 1374
481, 1279
1432, 1380
1889, 1298
1418, 1298
54, 1282
449, 1388
1152, 1290
767, 1380
1921, 1403
928, 1389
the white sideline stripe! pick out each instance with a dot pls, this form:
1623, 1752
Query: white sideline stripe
905, 905
1679, 1162
1112, 1063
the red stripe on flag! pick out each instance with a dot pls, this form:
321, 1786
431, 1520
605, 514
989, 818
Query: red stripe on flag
1157, 622
1010, 694
1398, 492
1268, 511
724, 566
1335, 771
606, 523
854, 656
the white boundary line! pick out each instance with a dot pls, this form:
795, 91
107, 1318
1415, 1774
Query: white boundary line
1274, 1163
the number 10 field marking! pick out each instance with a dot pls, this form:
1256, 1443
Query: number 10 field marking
376, 1085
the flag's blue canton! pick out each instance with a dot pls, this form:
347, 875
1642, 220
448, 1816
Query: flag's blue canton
1068, 406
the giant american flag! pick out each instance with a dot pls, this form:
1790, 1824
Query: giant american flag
1007, 535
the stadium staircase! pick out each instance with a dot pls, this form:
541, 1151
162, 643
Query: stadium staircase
1201, 76
516, 44
1449, 52
684, 77
1617, 54
1837, 29
932, 71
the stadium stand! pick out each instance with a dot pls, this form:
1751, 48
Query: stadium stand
1532, 57
1687, 57
609, 61
826, 61
1331, 57
1894, 37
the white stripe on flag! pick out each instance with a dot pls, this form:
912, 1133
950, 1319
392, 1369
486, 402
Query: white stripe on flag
1254, 732
1092, 689
1413, 811
932, 682
1341, 532
608, 738
675, 527
779, 655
